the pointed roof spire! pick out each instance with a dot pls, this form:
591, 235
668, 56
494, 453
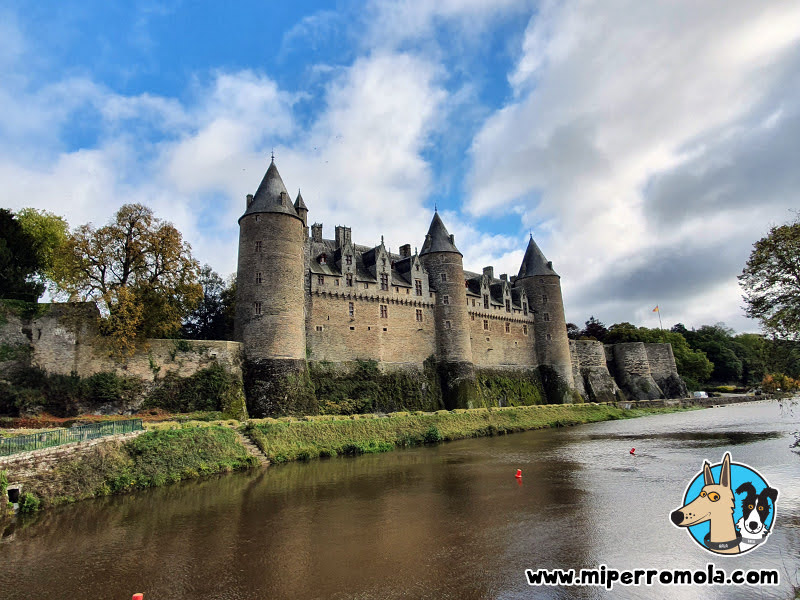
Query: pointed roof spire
271, 196
534, 263
438, 239
299, 204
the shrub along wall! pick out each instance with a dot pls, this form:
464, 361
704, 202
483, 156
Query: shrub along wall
32, 391
362, 387
510, 388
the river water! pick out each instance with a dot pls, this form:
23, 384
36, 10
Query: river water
449, 521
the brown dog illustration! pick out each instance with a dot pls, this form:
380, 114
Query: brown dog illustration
714, 504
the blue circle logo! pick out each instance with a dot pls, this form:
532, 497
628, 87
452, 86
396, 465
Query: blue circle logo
728, 508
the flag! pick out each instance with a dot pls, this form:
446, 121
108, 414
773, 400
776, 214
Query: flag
656, 309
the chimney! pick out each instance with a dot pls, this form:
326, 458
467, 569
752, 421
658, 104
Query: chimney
488, 272
316, 232
504, 276
550, 264
342, 236
405, 251
513, 278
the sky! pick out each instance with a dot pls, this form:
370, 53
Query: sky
645, 145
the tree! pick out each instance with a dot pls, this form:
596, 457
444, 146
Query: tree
211, 320
50, 234
771, 281
140, 271
573, 332
594, 330
718, 344
19, 262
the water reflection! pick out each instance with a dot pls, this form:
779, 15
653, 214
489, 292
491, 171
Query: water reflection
444, 522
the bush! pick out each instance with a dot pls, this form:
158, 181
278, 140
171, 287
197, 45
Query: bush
211, 389
29, 503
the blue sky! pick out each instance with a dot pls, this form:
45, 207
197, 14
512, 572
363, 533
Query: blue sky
645, 145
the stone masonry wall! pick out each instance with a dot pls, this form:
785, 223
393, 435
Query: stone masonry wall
333, 335
492, 346
38, 465
632, 371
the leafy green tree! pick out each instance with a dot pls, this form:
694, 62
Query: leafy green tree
19, 261
718, 344
211, 320
138, 268
771, 281
50, 234
573, 331
594, 330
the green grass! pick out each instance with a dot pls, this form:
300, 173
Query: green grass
284, 440
152, 459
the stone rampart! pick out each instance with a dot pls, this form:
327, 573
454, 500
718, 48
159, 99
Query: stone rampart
598, 383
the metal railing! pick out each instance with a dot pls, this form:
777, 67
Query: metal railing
57, 437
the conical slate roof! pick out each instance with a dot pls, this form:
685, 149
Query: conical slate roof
534, 263
299, 204
438, 239
271, 196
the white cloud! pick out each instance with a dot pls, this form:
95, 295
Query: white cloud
609, 96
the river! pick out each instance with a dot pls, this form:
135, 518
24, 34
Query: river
449, 521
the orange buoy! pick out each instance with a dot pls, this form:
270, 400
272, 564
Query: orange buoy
519, 473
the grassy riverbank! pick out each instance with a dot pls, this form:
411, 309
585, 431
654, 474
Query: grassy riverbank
172, 451
284, 440
152, 459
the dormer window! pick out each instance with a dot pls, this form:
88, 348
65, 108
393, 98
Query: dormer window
508, 305
349, 259
417, 266
323, 259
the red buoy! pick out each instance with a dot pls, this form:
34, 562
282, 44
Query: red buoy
519, 473
138, 597
633, 451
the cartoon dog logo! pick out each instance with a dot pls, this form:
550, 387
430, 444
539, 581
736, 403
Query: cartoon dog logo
710, 513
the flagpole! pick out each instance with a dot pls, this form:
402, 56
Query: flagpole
660, 326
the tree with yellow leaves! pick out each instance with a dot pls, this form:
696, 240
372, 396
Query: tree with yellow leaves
138, 269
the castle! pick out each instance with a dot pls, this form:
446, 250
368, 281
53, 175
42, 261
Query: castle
303, 298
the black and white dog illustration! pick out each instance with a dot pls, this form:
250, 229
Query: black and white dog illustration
755, 512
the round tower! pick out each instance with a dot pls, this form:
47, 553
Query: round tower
443, 262
543, 287
270, 319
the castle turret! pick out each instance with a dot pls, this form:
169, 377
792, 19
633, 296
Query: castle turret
300, 209
443, 262
543, 288
269, 292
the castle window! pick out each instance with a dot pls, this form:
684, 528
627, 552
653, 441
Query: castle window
544, 299
417, 266
352, 329
508, 327
384, 311
323, 259
349, 279
396, 290
418, 287
467, 301
508, 305
549, 337
472, 317
257, 308
524, 330
447, 324
258, 277
486, 301
384, 281
546, 317
351, 309
408, 291
320, 279
419, 315
444, 276
525, 308
318, 328
336, 281
366, 286
258, 246
431, 294
349, 259
445, 299
258, 218
383, 261
486, 324
473, 302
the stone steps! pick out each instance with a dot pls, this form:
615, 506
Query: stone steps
252, 448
